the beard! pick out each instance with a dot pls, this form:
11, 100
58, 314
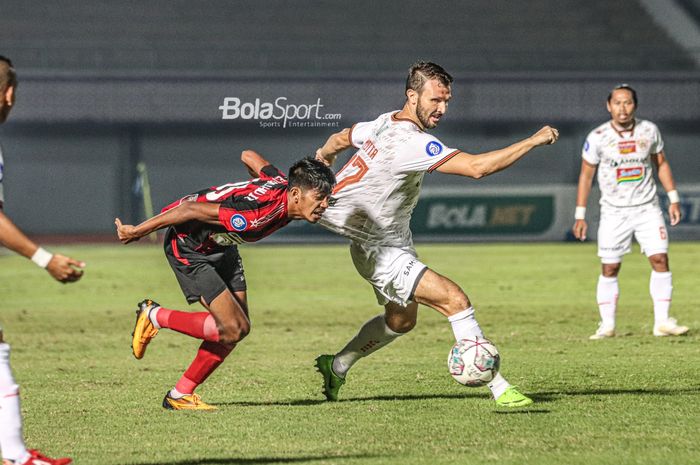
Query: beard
424, 116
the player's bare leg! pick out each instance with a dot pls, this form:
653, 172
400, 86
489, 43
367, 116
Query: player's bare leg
661, 291
445, 296
607, 293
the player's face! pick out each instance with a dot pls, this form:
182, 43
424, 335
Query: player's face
310, 204
7, 101
432, 103
621, 107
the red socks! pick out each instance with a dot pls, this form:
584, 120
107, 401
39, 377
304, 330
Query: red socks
200, 325
209, 357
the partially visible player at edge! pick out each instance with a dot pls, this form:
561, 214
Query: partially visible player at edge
376, 193
204, 229
623, 150
61, 268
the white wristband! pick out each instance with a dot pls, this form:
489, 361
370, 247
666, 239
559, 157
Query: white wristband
580, 213
673, 196
42, 257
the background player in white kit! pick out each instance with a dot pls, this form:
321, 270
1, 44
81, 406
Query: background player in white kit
376, 192
63, 269
624, 150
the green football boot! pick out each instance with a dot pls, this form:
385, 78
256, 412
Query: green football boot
331, 382
513, 398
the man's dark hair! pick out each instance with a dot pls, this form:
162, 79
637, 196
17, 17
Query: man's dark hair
8, 76
423, 71
309, 173
625, 87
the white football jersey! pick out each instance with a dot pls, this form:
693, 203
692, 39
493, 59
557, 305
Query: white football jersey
624, 162
378, 187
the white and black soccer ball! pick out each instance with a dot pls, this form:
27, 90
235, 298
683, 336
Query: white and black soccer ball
473, 361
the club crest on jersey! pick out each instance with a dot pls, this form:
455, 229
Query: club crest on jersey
238, 222
630, 174
626, 146
433, 148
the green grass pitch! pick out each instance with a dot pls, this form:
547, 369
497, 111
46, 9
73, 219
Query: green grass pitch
630, 400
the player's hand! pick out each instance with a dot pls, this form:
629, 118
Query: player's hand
545, 136
580, 228
65, 269
324, 160
674, 213
126, 232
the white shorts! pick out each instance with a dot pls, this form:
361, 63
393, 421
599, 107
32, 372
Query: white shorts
618, 225
393, 272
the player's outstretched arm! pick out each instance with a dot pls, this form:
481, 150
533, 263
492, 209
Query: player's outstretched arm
478, 166
585, 179
663, 169
60, 267
253, 161
335, 144
186, 211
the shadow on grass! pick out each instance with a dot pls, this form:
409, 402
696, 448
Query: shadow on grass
304, 402
257, 460
552, 396
522, 411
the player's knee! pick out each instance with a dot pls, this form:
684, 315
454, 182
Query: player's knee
401, 325
659, 262
234, 333
611, 270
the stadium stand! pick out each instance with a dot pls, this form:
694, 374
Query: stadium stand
281, 38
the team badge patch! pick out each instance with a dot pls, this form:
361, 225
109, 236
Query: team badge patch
238, 222
433, 148
586, 146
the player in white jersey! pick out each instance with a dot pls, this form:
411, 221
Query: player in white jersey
624, 150
63, 269
374, 198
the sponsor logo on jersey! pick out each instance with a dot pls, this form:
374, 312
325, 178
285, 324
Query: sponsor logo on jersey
433, 148
630, 174
627, 146
238, 222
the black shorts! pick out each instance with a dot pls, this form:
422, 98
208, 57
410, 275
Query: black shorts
204, 276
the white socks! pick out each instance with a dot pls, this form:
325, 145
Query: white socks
661, 289
373, 335
11, 442
464, 325
606, 295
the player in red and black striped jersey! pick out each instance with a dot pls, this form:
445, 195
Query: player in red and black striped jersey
204, 229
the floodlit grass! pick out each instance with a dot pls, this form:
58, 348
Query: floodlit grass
630, 400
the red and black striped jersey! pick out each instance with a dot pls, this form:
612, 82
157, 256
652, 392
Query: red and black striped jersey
248, 211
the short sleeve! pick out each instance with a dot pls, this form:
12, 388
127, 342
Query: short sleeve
423, 152
359, 133
270, 171
590, 150
657, 143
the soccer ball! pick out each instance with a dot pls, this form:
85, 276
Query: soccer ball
473, 361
